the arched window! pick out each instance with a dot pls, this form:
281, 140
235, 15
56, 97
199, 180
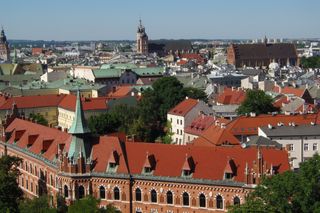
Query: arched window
202, 200
138, 194
185, 199
31, 171
66, 191
153, 196
219, 202
81, 192
116, 193
169, 197
236, 201
102, 192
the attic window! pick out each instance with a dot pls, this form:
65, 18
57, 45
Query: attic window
149, 164
188, 167
228, 176
113, 161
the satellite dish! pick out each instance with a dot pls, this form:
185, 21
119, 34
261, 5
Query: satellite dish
244, 145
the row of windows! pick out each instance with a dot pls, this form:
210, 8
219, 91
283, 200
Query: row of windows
305, 147
169, 197
39, 173
179, 131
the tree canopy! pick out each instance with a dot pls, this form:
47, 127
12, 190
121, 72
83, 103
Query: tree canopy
38, 118
256, 101
311, 62
10, 193
148, 119
287, 192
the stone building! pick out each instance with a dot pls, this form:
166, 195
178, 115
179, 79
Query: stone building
134, 177
142, 40
4, 47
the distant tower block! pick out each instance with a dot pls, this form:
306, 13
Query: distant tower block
4, 47
142, 39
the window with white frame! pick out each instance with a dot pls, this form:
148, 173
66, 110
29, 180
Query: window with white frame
315, 147
305, 147
291, 147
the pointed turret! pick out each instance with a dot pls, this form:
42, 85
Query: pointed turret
79, 129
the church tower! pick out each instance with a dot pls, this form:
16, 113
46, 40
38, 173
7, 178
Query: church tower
4, 47
142, 39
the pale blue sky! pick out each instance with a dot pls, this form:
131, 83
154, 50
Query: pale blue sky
118, 19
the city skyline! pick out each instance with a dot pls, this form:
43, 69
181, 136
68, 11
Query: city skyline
99, 20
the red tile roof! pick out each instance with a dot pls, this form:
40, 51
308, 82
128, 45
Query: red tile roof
183, 107
102, 151
209, 162
69, 103
193, 56
201, 123
280, 101
37, 136
121, 91
35, 101
231, 96
246, 126
294, 91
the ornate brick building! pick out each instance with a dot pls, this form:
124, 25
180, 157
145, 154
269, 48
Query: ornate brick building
142, 40
4, 47
261, 55
134, 177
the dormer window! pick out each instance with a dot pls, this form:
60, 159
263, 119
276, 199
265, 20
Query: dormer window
230, 170
188, 167
113, 161
149, 164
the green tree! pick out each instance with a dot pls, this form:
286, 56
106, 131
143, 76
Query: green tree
195, 93
38, 118
311, 62
287, 192
61, 205
256, 101
10, 193
167, 138
36, 205
90, 205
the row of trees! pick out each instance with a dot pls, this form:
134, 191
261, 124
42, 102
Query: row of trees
147, 120
287, 192
12, 200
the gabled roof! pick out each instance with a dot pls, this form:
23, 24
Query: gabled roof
231, 96
121, 91
41, 133
209, 162
201, 123
247, 126
294, 91
69, 103
183, 107
35, 101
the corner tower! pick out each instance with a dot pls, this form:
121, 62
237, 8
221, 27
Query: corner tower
4, 47
142, 39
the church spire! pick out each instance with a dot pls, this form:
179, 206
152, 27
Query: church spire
79, 125
79, 146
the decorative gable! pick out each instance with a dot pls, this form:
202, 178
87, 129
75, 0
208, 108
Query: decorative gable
188, 167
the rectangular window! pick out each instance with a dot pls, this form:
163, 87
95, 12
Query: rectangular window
181, 122
178, 131
176, 140
188, 138
177, 121
290, 147
305, 147
180, 141
315, 146
26, 184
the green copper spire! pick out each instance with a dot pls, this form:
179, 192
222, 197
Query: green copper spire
79, 146
79, 125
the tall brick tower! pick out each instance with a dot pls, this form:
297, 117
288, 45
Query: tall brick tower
4, 47
142, 39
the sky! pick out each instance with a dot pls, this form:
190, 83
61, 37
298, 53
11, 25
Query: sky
169, 19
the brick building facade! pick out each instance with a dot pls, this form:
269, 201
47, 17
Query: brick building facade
134, 177
261, 55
